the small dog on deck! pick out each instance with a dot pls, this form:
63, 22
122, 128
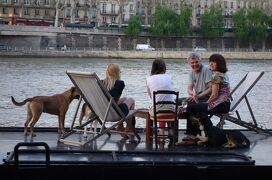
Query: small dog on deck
57, 105
213, 136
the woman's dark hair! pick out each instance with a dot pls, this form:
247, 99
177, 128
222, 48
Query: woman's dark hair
220, 62
158, 67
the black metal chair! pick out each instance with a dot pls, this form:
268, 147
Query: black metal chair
167, 116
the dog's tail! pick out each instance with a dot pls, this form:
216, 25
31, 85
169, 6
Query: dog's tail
20, 103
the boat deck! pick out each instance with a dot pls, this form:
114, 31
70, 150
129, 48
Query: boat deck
114, 152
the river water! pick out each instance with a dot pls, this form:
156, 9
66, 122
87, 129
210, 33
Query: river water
27, 77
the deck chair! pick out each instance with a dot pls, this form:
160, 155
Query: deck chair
103, 106
239, 94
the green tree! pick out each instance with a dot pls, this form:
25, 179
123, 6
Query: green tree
184, 22
134, 27
257, 21
212, 23
240, 26
270, 28
164, 21
251, 26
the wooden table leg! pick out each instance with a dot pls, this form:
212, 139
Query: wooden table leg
148, 131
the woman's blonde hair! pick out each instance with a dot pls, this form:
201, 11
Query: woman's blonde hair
112, 74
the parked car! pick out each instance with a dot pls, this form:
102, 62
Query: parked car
5, 48
144, 47
199, 49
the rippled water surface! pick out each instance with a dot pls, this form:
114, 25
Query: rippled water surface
27, 77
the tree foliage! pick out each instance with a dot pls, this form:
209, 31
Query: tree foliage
184, 22
240, 25
164, 21
257, 25
168, 22
212, 23
250, 26
134, 27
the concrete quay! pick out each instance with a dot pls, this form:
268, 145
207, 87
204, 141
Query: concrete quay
132, 54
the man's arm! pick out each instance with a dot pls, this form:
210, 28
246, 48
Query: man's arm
192, 96
190, 90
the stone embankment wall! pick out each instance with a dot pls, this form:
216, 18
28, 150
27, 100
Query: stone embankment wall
136, 54
41, 41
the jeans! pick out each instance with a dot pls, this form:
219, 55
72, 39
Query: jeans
191, 129
202, 107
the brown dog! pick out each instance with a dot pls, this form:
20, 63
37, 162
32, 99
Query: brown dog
57, 105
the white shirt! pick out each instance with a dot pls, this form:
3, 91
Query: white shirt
160, 82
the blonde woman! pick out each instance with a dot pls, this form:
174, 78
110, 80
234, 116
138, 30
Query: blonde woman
115, 86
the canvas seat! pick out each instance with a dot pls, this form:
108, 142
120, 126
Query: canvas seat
237, 96
104, 108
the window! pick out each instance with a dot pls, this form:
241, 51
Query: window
113, 19
68, 13
5, 10
131, 7
198, 12
76, 13
46, 2
123, 17
85, 14
16, 1
46, 12
37, 11
104, 19
26, 11
113, 8
104, 8
241, 4
37, 2
26, 2
68, 3
15, 11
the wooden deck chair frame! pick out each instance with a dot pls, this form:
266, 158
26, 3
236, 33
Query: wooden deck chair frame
235, 101
112, 110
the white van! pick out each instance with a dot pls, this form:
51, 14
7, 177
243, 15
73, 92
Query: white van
199, 49
144, 47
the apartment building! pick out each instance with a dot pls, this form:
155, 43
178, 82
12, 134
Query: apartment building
116, 12
104, 12
39, 10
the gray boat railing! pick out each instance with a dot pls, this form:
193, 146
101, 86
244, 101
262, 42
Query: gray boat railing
33, 156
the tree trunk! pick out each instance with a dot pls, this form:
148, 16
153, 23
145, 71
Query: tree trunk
223, 44
57, 14
73, 3
263, 45
209, 44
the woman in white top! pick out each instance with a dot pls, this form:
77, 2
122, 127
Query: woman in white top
158, 80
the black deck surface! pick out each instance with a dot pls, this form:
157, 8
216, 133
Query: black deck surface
115, 152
